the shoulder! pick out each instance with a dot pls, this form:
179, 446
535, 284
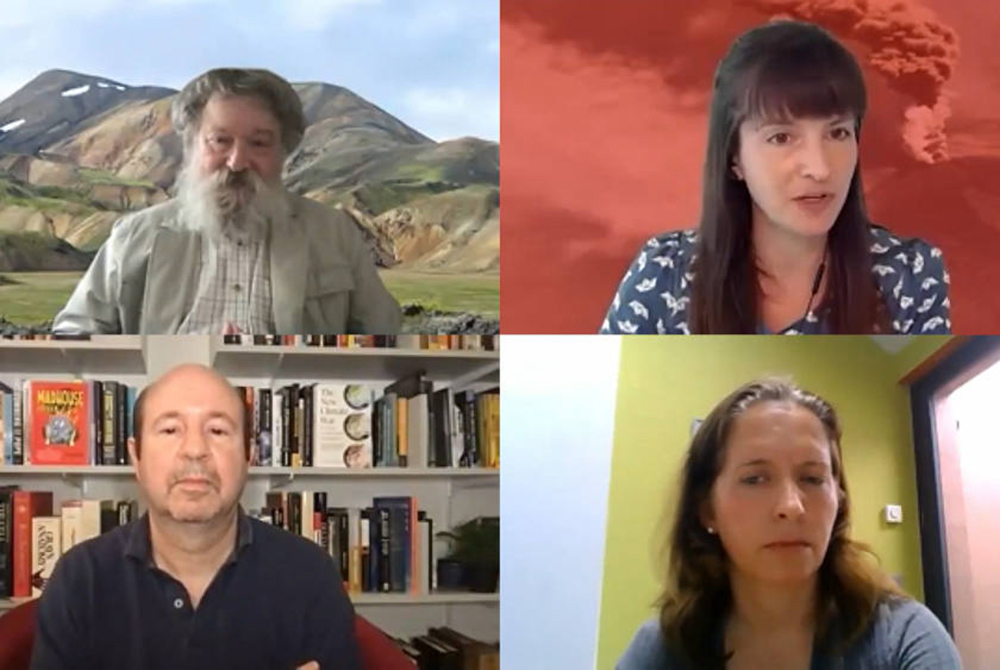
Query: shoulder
145, 221
653, 295
647, 650
317, 216
904, 633
904, 255
81, 571
288, 549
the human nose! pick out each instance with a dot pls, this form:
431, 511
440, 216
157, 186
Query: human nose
814, 161
238, 157
194, 445
789, 504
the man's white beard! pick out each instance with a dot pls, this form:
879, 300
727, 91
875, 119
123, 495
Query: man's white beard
227, 203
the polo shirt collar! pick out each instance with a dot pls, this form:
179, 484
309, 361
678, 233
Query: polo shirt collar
137, 543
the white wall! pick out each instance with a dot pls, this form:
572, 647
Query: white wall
557, 423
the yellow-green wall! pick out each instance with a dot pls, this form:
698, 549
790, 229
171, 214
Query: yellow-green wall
664, 383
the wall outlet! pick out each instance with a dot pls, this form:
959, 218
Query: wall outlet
894, 514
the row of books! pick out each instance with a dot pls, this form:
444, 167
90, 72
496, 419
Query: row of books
66, 422
385, 548
447, 649
349, 425
34, 535
299, 425
428, 342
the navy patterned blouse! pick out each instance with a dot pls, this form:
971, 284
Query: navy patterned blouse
655, 293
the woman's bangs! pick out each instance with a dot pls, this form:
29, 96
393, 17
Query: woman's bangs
783, 89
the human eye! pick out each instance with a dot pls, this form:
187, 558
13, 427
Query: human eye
779, 139
842, 133
219, 140
752, 480
815, 480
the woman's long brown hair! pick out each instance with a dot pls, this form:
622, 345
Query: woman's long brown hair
697, 597
781, 70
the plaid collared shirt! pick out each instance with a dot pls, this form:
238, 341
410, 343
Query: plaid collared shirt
234, 288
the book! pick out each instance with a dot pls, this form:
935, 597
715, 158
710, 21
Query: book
46, 549
60, 422
27, 506
7, 423
342, 426
6, 541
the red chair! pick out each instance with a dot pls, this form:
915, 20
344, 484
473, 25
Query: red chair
17, 633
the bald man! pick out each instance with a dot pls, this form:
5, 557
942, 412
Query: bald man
194, 583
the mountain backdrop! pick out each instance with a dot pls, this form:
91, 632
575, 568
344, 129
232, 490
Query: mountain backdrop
77, 151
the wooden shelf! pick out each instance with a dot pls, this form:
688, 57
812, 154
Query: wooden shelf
376, 364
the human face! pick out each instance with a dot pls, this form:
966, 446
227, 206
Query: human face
239, 133
784, 160
774, 501
192, 466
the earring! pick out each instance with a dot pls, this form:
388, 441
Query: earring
711, 531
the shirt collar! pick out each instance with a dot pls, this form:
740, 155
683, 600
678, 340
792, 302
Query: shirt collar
137, 544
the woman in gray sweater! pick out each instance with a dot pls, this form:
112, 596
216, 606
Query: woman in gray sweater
762, 573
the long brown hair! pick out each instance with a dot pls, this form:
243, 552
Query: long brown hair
697, 595
779, 70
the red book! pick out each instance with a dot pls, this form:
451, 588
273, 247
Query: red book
60, 422
27, 505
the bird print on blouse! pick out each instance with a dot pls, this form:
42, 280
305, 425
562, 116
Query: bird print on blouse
654, 295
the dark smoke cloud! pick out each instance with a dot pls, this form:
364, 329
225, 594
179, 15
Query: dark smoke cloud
908, 44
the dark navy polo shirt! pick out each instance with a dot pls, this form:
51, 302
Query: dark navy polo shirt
277, 603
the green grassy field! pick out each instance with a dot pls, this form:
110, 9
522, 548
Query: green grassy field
30, 298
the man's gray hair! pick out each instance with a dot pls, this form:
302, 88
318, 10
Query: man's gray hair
274, 91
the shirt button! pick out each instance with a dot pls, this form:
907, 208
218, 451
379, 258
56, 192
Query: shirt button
178, 603
237, 287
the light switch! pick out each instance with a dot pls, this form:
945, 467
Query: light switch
894, 514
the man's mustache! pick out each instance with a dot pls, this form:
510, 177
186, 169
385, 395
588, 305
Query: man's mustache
244, 179
195, 471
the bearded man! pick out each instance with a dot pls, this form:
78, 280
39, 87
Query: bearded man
234, 251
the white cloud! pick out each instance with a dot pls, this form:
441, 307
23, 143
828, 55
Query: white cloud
449, 113
315, 15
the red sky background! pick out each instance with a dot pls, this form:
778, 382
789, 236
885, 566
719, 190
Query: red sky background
603, 114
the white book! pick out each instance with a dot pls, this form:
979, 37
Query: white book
277, 429
71, 524
90, 520
342, 423
308, 531
45, 550
418, 431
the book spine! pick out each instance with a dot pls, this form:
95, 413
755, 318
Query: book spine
97, 437
7, 425
287, 420
17, 447
121, 434
45, 551
27, 505
266, 441
108, 412
384, 550
344, 536
365, 538
402, 444
277, 428
307, 425
6, 543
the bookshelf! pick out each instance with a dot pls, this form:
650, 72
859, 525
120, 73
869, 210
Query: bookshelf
449, 495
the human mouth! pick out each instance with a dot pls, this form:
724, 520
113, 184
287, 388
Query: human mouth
814, 202
791, 544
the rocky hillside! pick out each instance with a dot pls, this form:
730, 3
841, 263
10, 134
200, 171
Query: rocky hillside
77, 150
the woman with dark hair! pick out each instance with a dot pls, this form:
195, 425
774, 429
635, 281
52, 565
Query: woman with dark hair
761, 571
784, 244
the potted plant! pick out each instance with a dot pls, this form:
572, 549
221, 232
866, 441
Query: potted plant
475, 546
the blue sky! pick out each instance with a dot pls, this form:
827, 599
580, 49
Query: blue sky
434, 64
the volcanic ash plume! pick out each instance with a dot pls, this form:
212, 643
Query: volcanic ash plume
908, 44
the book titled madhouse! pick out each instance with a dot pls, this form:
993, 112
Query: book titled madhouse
59, 416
